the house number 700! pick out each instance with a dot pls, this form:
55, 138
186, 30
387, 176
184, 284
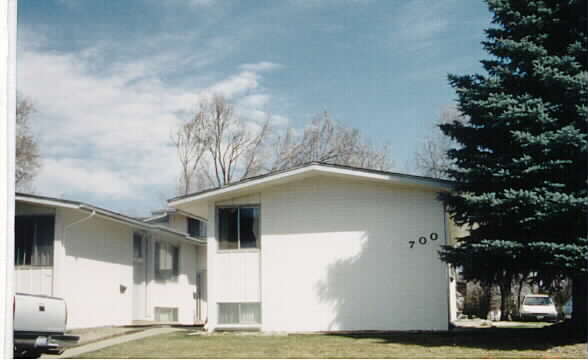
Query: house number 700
423, 240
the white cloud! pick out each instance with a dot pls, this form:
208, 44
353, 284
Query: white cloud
261, 66
106, 133
235, 85
254, 101
81, 178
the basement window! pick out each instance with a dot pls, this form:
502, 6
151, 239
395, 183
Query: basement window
239, 313
34, 236
166, 314
238, 227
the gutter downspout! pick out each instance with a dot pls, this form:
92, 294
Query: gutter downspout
78, 221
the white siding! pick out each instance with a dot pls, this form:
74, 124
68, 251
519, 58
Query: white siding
93, 264
238, 276
93, 259
178, 222
201, 265
178, 293
34, 280
211, 250
335, 255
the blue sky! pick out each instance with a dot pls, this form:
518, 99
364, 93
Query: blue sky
109, 78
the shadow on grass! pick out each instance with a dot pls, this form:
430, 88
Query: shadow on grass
491, 339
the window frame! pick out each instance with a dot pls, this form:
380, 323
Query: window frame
142, 239
257, 248
201, 227
34, 245
166, 275
239, 322
158, 310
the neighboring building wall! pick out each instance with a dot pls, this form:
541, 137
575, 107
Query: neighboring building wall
177, 293
94, 270
335, 255
201, 268
178, 222
36, 280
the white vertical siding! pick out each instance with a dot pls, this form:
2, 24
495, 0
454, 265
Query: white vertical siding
237, 276
178, 222
93, 259
211, 250
177, 293
34, 280
201, 265
336, 256
95, 263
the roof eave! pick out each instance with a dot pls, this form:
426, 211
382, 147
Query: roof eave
402, 179
42, 200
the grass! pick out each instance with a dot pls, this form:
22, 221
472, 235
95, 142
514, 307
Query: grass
475, 343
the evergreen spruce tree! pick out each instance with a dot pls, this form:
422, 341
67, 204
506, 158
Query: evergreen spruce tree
521, 159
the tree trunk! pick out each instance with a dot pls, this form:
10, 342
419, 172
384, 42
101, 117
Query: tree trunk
521, 283
504, 297
579, 303
485, 301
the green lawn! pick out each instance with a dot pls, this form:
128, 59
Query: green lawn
480, 343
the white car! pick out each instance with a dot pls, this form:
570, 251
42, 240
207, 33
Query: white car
539, 308
39, 326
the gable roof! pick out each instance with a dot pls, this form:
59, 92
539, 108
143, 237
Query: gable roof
317, 167
104, 213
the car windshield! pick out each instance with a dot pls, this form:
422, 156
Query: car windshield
537, 301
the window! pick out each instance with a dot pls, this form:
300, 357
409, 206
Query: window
137, 246
34, 237
239, 313
196, 228
166, 314
536, 300
167, 257
238, 227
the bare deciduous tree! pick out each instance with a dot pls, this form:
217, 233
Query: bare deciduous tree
217, 147
327, 141
431, 159
190, 141
27, 150
234, 147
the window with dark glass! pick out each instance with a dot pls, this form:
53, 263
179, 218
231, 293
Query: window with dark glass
137, 245
238, 227
228, 235
33, 240
196, 228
